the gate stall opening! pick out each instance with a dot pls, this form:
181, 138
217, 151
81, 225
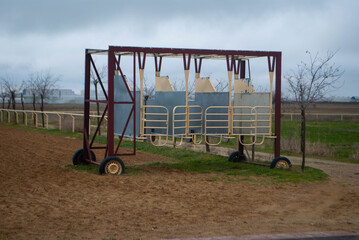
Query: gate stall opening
244, 115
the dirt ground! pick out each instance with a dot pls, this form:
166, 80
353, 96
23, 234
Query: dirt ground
41, 198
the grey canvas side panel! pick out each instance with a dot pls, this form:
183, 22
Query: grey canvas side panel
122, 111
259, 100
168, 100
206, 100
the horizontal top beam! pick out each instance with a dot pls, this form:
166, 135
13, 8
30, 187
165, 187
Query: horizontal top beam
178, 52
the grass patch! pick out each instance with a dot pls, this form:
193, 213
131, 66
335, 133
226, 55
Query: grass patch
190, 161
330, 140
50, 131
223, 168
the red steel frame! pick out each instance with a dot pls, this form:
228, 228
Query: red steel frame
114, 56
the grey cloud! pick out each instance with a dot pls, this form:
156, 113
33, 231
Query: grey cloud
52, 33
47, 17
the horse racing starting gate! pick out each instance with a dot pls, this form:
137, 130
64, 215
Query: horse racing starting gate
172, 117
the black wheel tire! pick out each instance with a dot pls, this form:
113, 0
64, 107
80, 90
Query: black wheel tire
78, 157
236, 157
112, 166
281, 162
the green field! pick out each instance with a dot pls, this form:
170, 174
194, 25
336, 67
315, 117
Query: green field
332, 140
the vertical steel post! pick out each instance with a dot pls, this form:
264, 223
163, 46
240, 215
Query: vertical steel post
198, 67
134, 103
158, 66
230, 64
110, 113
242, 75
86, 104
141, 65
278, 95
186, 74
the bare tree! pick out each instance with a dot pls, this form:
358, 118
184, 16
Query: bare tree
31, 85
310, 82
95, 79
221, 85
180, 85
148, 89
12, 88
3, 95
45, 81
22, 106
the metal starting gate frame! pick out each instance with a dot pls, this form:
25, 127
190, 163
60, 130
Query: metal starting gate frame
236, 64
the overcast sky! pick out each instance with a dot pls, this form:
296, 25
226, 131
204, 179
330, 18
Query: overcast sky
53, 35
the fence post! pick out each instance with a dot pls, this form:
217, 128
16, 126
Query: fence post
25, 114
8, 116
35, 120
73, 123
1, 114
59, 120
47, 121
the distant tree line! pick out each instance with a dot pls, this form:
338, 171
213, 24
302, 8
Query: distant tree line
39, 83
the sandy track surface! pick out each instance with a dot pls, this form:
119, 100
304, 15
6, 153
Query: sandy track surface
40, 198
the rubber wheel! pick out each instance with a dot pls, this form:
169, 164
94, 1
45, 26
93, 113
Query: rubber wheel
236, 157
281, 162
112, 166
78, 157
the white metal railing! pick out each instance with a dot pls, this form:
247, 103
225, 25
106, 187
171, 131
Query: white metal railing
317, 115
35, 117
222, 123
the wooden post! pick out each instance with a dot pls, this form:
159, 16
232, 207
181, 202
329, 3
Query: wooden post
73, 123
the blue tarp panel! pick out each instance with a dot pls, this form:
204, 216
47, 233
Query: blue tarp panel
168, 100
259, 100
206, 100
122, 111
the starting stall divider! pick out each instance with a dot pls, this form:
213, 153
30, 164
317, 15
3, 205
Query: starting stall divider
186, 126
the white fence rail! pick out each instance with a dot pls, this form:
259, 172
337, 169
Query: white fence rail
33, 116
319, 116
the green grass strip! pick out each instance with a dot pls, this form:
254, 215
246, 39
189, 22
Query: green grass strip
199, 162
